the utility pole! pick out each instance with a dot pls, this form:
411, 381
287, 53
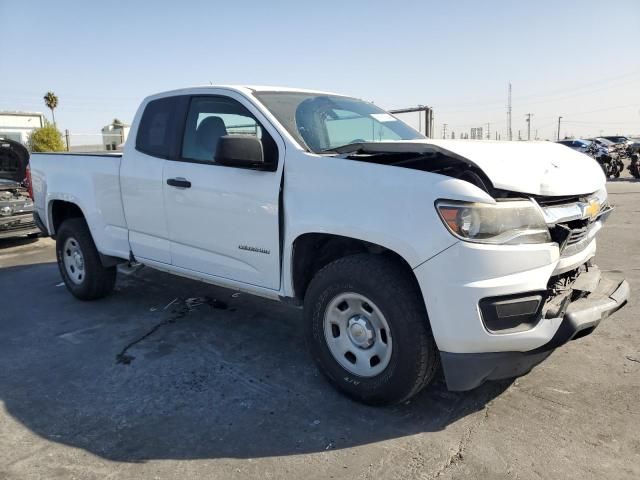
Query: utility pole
559, 118
66, 137
430, 123
536, 137
488, 131
509, 132
444, 130
519, 137
528, 115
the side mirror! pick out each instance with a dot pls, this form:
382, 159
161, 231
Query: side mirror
240, 151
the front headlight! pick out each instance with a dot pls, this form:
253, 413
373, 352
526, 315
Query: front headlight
503, 223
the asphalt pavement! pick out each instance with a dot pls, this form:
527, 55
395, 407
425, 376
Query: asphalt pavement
170, 378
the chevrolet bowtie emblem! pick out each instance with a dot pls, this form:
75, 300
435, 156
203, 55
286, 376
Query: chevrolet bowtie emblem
591, 210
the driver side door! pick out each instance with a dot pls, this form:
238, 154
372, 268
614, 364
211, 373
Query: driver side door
223, 221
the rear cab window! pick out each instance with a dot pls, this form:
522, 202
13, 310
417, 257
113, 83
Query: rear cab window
160, 126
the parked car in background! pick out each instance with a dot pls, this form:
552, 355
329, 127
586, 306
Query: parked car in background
603, 142
16, 207
616, 138
632, 145
576, 144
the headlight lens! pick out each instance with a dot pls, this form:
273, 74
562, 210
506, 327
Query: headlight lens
502, 223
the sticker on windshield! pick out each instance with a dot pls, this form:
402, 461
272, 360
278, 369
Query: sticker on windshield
383, 117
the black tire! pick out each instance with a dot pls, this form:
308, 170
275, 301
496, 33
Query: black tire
97, 281
414, 359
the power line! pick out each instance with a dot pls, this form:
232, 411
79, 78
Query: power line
552, 93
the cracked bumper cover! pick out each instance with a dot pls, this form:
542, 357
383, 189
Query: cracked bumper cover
465, 371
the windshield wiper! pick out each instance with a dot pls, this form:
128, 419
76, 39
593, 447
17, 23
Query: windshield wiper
346, 148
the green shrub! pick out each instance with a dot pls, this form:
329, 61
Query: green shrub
46, 139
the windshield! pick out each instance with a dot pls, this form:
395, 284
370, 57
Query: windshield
323, 122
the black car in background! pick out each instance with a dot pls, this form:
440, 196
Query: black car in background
16, 207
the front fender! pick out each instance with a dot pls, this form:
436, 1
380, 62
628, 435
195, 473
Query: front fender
385, 205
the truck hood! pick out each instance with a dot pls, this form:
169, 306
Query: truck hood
14, 158
535, 168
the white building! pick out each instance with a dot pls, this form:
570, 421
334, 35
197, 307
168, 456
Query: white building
18, 125
114, 135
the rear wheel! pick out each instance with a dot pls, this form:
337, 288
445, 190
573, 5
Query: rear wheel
368, 331
79, 262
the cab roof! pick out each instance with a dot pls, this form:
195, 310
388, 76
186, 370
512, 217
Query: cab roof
246, 89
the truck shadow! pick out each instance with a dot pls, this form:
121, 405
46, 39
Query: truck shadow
16, 241
167, 368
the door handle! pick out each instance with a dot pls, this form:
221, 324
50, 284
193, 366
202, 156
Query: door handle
179, 182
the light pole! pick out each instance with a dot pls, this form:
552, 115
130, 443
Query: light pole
559, 118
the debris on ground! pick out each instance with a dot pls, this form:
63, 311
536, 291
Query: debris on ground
170, 303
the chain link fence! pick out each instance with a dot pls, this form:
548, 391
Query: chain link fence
93, 142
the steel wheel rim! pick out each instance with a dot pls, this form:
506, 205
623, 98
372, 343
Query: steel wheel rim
73, 260
357, 334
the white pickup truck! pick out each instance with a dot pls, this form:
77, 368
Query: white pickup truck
406, 253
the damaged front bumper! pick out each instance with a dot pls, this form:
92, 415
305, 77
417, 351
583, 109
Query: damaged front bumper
591, 298
17, 225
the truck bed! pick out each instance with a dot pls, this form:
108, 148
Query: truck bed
92, 182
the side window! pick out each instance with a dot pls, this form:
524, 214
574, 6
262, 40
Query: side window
158, 127
212, 117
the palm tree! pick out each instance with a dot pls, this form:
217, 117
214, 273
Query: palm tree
51, 101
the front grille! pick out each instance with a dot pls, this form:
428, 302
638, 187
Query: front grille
574, 221
572, 237
576, 235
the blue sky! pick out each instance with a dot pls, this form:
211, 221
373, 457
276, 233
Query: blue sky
578, 59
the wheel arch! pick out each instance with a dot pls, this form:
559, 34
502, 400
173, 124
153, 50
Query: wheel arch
61, 210
311, 251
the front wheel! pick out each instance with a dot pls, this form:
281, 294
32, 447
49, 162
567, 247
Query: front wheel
368, 331
79, 262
